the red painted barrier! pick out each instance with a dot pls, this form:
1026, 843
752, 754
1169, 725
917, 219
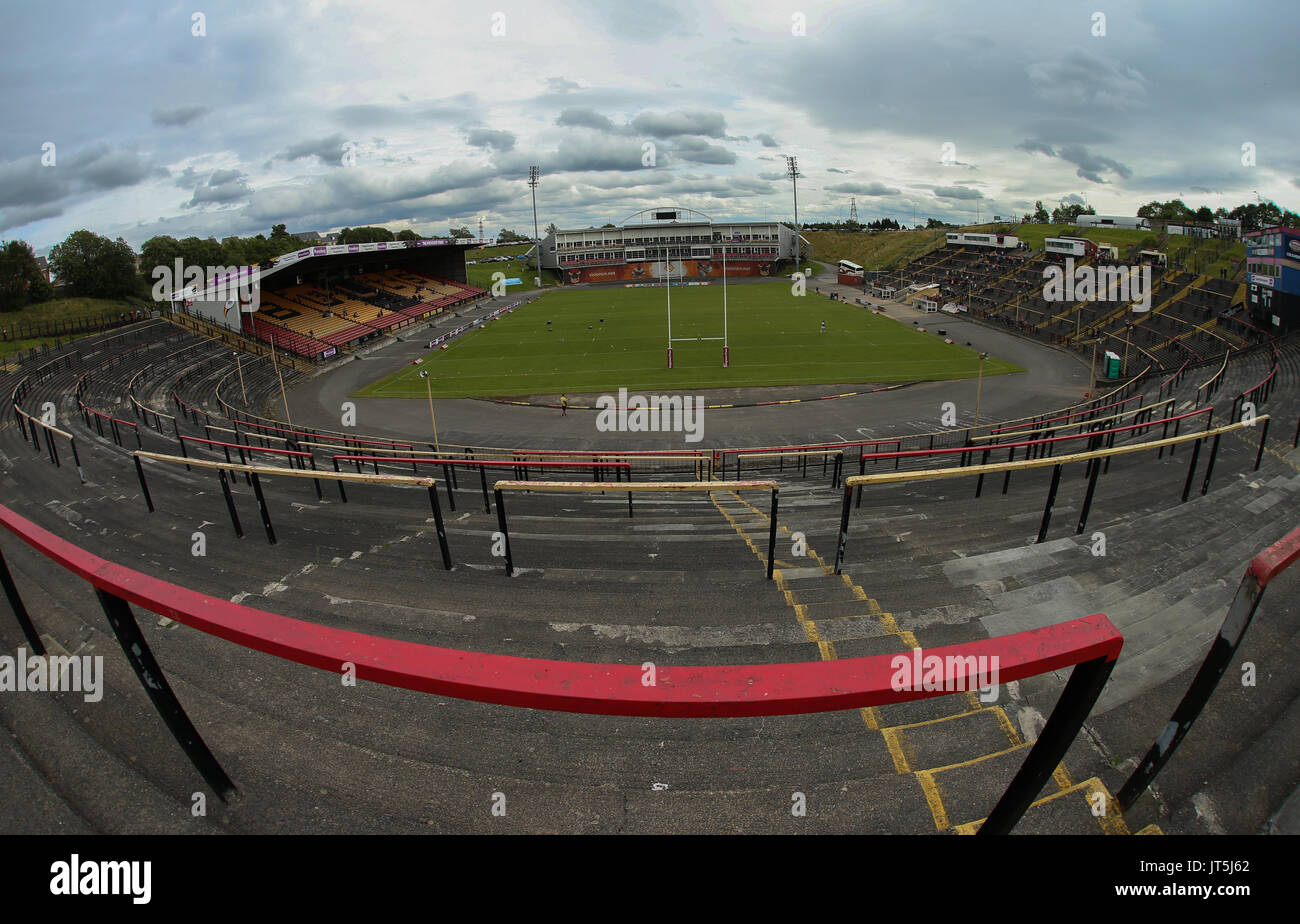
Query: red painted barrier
1275, 559
597, 689
1032, 424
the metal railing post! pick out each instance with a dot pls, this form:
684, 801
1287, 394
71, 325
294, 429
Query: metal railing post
1077, 699
230, 503
844, 527
20, 610
1191, 470
439, 526
505, 533
771, 535
261, 508
136, 648
1051, 502
1263, 437
144, 488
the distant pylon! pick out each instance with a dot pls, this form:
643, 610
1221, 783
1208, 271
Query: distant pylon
853, 209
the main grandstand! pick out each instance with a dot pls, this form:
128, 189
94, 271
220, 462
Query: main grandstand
669, 243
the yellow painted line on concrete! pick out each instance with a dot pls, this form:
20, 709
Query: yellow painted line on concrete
871, 718
1253, 443
937, 810
897, 750
1110, 823
974, 760
946, 718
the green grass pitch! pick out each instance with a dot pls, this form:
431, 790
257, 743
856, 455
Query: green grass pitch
774, 336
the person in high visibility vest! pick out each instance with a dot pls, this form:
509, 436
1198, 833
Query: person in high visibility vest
564, 405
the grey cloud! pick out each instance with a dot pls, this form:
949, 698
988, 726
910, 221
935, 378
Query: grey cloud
699, 151
348, 191
581, 117
220, 188
957, 192
681, 122
329, 149
179, 117
596, 154
766, 140
1090, 165
378, 115
27, 182
1080, 79
1037, 147
35, 188
16, 217
863, 189
495, 139
102, 168
561, 85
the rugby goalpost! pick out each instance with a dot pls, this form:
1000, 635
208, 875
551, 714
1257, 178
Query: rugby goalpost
668, 288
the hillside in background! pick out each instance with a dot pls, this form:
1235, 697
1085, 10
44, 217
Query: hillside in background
873, 250
891, 249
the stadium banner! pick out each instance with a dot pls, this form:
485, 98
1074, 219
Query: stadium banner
661, 285
673, 269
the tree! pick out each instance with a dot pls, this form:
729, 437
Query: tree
197, 251
1040, 214
457, 233
1204, 214
367, 235
282, 241
161, 250
22, 282
1174, 210
550, 229
94, 266
407, 234
509, 237
1068, 213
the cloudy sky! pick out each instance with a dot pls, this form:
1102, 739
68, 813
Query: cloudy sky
213, 119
